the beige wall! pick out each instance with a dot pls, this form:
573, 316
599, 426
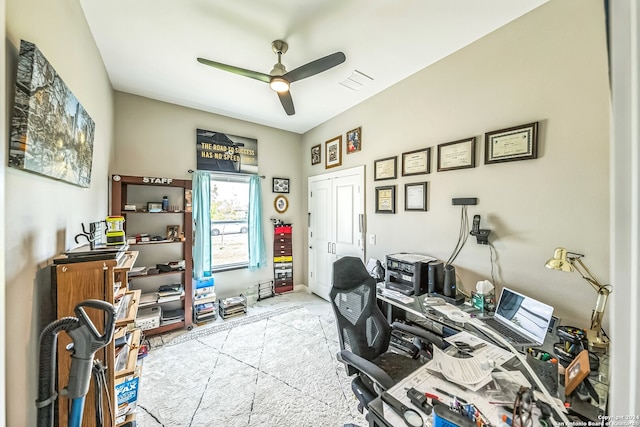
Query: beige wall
548, 66
159, 139
43, 215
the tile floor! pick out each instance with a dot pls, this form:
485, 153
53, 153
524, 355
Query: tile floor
274, 366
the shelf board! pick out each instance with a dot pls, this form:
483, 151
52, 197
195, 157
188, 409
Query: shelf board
165, 328
164, 212
157, 242
146, 276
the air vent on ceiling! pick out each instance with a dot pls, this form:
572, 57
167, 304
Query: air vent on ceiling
356, 80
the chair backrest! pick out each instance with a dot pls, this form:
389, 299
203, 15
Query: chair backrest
362, 328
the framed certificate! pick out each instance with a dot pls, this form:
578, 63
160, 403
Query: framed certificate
457, 155
416, 162
415, 196
385, 168
386, 199
508, 145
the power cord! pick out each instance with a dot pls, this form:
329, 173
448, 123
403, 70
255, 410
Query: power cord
462, 237
100, 384
493, 257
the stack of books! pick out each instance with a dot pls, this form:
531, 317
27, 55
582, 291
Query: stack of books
204, 304
167, 293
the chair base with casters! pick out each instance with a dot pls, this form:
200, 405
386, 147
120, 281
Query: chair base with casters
365, 334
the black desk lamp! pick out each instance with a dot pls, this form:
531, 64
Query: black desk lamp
571, 261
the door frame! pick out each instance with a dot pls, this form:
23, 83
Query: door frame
356, 170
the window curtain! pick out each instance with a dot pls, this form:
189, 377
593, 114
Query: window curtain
257, 247
202, 220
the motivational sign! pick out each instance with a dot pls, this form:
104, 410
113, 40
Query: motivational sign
221, 152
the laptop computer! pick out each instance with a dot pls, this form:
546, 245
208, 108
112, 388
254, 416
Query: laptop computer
521, 320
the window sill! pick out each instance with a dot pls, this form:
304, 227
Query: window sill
229, 268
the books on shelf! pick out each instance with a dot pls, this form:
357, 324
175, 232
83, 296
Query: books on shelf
169, 298
204, 291
168, 290
148, 299
172, 315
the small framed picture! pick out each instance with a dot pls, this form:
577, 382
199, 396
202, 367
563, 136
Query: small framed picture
354, 140
333, 152
416, 162
386, 199
281, 204
385, 168
415, 196
173, 232
316, 154
280, 185
508, 145
457, 155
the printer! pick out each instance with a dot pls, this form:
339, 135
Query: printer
408, 273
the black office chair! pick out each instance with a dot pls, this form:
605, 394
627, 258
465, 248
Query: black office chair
365, 334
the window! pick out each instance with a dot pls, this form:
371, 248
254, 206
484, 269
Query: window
229, 209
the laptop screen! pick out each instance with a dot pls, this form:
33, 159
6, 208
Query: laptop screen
524, 314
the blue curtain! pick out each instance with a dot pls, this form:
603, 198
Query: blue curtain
202, 218
257, 247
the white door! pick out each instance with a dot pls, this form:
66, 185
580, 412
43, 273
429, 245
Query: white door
336, 224
320, 236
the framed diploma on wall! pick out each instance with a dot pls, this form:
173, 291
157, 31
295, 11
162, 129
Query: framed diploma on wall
416, 162
385, 168
457, 155
415, 196
386, 199
511, 144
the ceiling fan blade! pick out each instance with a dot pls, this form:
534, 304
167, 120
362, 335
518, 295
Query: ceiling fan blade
315, 67
287, 102
236, 70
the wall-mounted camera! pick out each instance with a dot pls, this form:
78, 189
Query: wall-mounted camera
482, 235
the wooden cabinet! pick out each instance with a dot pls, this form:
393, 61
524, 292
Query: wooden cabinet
73, 283
282, 258
158, 224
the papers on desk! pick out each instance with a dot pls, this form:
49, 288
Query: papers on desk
472, 372
390, 293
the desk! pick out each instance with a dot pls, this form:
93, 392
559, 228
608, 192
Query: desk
435, 322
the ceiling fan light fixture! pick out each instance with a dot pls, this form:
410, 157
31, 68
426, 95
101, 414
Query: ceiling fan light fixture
279, 84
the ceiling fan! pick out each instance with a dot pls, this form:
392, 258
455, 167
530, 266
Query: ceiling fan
279, 78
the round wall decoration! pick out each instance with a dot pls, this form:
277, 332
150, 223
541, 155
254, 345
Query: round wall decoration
281, 204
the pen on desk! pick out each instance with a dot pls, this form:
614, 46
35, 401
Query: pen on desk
446, 393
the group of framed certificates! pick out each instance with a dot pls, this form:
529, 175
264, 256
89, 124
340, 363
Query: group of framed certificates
504, 145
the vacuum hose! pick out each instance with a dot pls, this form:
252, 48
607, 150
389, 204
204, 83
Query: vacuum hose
47, 368
86, 341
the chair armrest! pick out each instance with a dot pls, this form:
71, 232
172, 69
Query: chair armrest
420, 333
371, 370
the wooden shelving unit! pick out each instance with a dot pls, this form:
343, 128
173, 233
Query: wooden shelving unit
73, 283
129, 191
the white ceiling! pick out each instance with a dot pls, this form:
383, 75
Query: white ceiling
150, 47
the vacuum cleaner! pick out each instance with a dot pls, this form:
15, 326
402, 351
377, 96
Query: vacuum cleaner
86, 341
